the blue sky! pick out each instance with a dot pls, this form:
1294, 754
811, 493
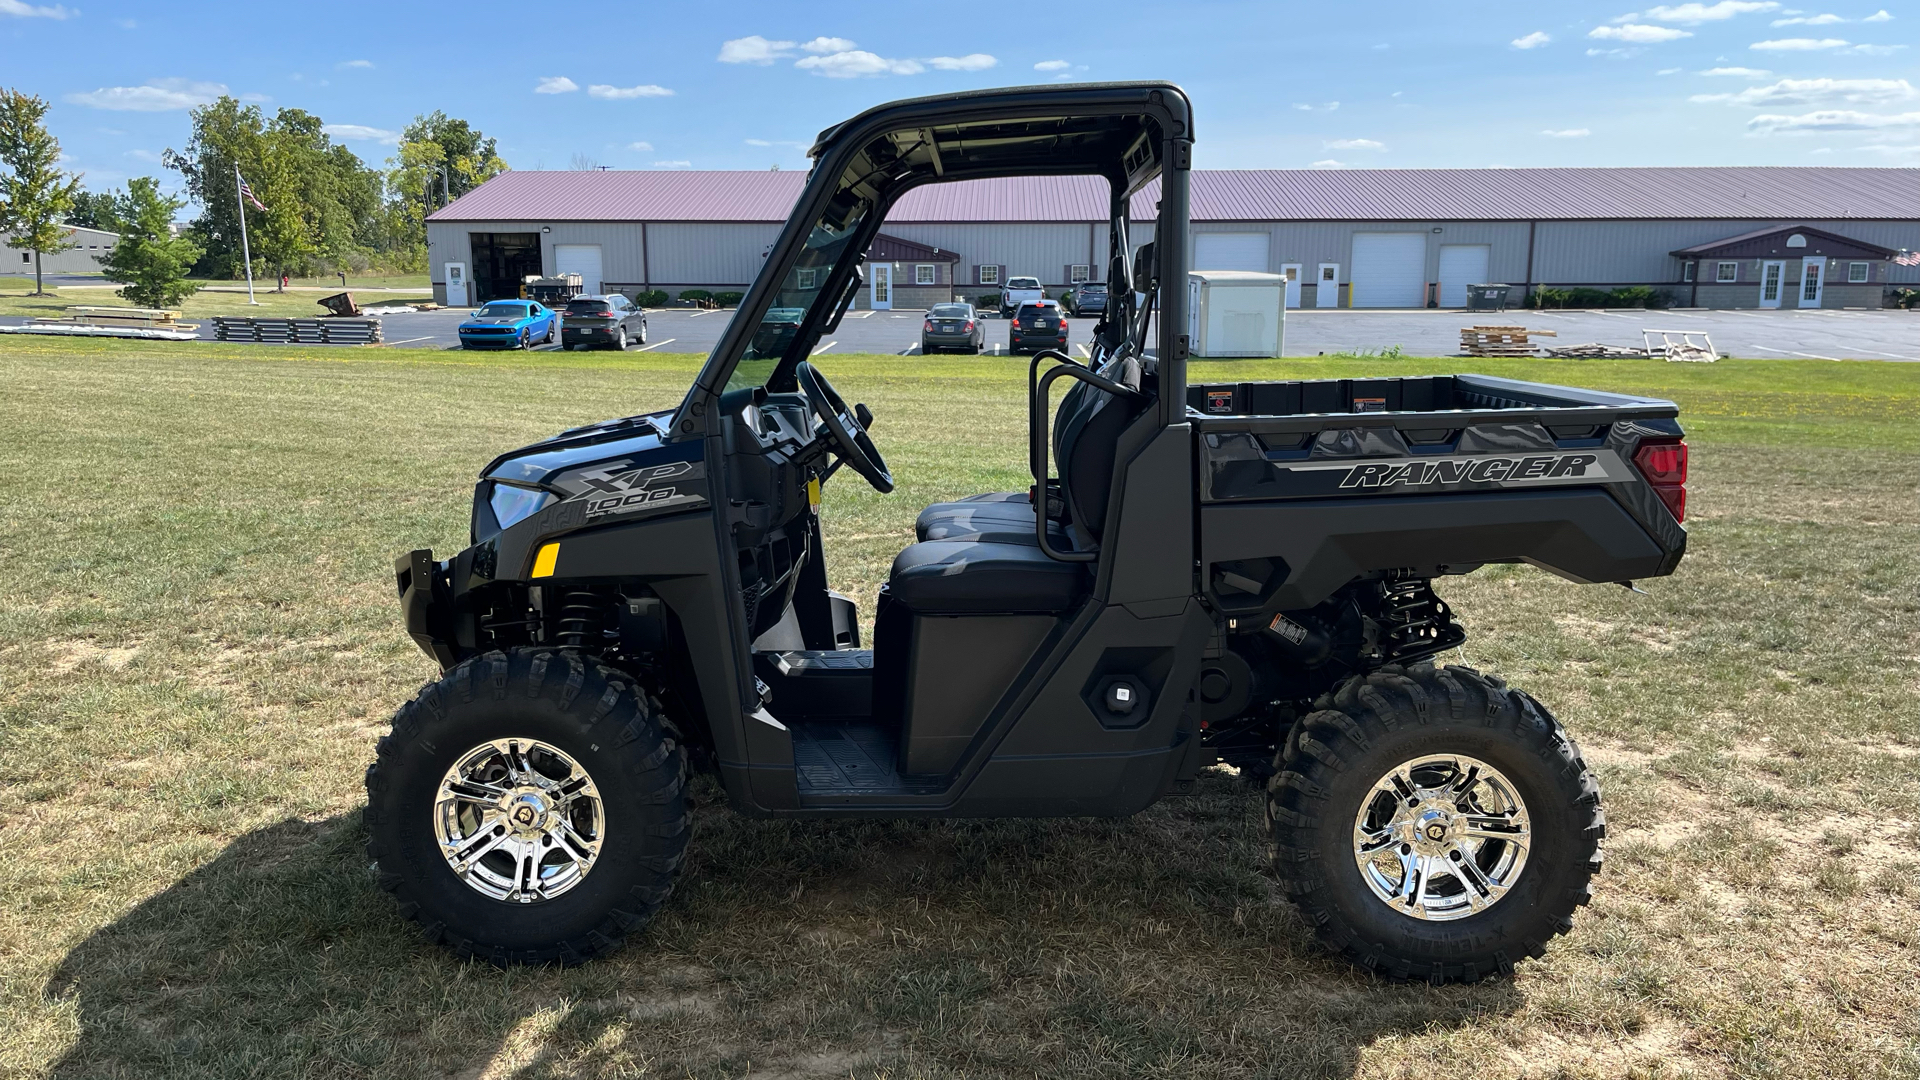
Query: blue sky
746, 85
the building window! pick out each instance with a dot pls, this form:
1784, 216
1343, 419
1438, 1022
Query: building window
1686, 271
1078, 273
989, 275
1858, 273
923, 274
807, 277
1727, 271
26, 257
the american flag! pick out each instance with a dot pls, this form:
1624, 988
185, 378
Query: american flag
1908, 258
246, 192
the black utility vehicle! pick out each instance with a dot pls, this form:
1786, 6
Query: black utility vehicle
1224, 573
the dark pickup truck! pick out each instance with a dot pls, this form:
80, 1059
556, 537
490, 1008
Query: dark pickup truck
1216, 574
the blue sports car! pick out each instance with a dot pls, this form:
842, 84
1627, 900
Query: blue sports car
510, 324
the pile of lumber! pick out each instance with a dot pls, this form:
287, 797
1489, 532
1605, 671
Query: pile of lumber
1500, 341
148, 323
329, 331
1594, 350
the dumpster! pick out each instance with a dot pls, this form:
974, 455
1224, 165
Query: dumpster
1487, 297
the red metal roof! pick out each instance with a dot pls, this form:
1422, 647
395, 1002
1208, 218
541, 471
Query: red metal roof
1231, 195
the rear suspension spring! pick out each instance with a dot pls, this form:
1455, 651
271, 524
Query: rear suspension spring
582, 621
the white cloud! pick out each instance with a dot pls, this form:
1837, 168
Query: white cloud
356, 63
1354, 144
1053, 65
1617, 54
1567, 133
158, 95
1638, 33
640, 146
143, 155
823, 45
857, 63
1695, 14
673, 164
1819, 91
626, 93
1873, 50
1809, 20
20, 10
757, 142
1331, 106
362, 133
1740, 72
1328, 163
1831, 120
1531, 41
1799, 44
556, 84
970, 62
754, 49
1879, 16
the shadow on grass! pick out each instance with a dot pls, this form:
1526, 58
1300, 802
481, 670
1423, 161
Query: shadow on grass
1059, 948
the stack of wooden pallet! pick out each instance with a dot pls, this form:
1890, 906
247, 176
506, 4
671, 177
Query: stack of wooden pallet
334, 331
1499, 340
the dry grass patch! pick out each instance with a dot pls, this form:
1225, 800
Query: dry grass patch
201, 648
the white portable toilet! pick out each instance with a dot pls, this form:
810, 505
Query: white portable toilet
1236, 313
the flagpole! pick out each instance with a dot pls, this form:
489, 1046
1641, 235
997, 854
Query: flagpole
246, 253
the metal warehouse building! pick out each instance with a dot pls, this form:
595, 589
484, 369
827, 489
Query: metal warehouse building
89, 247
1371, 238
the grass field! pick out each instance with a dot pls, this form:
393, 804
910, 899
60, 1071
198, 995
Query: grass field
199, 646
201, 305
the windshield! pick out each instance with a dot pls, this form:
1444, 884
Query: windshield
504, 311
951, 311
800, 290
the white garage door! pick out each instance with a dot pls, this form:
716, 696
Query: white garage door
582, 259
1461, 265
1230, 251
1389, 270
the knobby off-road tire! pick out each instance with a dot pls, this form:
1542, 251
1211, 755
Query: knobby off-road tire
567, 715
1358, 737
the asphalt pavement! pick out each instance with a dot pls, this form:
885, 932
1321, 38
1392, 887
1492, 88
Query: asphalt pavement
1790, 334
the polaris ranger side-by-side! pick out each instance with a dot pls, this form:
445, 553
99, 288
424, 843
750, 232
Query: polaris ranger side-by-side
1229, 574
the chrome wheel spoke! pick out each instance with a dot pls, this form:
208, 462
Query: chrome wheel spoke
495, 806
1447, 812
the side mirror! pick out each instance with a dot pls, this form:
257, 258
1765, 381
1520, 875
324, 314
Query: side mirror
1143, 268
853, 289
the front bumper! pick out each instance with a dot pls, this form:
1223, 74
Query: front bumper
490, 340
426, 604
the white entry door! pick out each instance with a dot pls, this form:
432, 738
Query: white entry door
1773, 282
457, 295
880, 281
1389, 270
1231, 251
1291, 271
1461, 267
1326, 287
582, 259
1813, 280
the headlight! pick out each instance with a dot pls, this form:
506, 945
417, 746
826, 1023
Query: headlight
512, 505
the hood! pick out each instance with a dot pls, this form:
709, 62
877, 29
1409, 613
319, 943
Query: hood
627, 437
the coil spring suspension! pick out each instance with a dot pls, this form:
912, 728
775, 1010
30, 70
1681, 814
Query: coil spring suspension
1413, 621
583, 619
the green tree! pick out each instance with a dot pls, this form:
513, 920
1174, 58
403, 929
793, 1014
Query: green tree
439, 158
149, 259
323, 205
35, 193
98, 210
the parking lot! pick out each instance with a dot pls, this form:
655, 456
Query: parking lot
1817, 334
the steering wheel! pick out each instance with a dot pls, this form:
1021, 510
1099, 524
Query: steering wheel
850, 438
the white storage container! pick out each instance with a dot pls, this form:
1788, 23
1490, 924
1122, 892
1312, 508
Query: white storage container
1236, 313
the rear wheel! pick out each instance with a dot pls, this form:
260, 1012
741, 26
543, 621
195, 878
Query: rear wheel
528, 808
1432, 824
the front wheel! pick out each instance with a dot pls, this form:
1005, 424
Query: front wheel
620, 340
528, 808
1434, 825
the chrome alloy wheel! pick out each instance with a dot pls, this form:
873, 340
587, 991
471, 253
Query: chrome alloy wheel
1441, 837
519, 820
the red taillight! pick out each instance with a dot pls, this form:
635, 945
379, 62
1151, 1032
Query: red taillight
927, 326
1664, 465
969, 326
